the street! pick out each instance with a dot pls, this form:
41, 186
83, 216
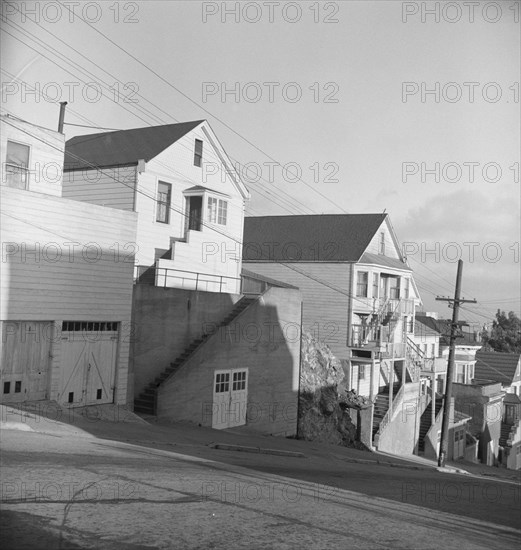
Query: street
81, 491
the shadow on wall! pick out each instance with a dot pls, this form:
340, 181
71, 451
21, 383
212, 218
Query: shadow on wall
260, 347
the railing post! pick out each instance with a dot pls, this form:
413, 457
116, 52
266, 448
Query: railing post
196, 281
221, 284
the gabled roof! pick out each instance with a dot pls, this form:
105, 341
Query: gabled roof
123, 147
313, 238
497, 366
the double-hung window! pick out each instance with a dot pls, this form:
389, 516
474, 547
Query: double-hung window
164, 194
362, 284
17, 165
198, 153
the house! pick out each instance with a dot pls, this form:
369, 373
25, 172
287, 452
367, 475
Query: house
188, 197
66, 280
433, 335
201, 351
359, 298
501, 367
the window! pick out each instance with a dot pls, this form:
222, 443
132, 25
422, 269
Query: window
361, 284
361, 372
375, 285
394, 288
381, 248
198, 153
217, 211
17, 165
222, 382
460, 373
239, 381
164, 192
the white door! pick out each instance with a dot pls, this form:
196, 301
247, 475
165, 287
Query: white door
25, 360
230, 398
88, 363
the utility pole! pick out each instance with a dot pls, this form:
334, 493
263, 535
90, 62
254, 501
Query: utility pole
444, 444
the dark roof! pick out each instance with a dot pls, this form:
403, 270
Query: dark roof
460, 416
313, 238
123, 147
497, 366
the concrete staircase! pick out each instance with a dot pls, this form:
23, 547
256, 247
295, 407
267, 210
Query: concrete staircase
426, 422
147, 400
505, 433
381, 406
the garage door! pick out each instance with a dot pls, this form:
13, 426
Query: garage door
25, 359
230, 397
88, 362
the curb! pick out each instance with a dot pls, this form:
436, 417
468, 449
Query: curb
386, 463
258, 450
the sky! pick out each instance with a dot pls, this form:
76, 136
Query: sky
324, 107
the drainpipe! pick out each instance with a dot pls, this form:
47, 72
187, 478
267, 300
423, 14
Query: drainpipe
299, 367
62, 116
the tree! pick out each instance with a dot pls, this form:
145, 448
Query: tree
505, 334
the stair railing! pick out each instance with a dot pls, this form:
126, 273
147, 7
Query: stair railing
389, 414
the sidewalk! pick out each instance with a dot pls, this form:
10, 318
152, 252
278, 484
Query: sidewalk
120, 424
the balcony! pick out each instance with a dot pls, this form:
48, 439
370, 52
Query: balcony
376, 339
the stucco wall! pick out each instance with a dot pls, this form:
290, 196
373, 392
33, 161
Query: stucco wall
165, 321
401, 434
265, 339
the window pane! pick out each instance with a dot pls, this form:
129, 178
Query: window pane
16, 165
361, 284
198, 152
163, 202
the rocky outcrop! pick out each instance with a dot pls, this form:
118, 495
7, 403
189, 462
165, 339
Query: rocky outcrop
326, 409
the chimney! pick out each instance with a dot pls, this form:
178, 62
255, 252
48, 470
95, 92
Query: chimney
62, 116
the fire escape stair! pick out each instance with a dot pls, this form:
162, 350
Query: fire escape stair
505, 433
426, 423
147, 399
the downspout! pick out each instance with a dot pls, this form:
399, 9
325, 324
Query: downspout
299, 367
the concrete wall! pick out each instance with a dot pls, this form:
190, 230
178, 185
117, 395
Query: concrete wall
165, 322
400, 436
265, 339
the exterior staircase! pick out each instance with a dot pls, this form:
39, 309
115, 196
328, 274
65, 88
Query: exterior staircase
426, 422
505, 433
381, 406
147, 400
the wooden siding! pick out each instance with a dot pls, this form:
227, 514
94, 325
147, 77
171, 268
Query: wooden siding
45, 156
112, 187
46, 278
390, 248
325, 310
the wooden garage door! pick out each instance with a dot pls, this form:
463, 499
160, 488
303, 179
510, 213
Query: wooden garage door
230, 398
25, 359
88, 362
